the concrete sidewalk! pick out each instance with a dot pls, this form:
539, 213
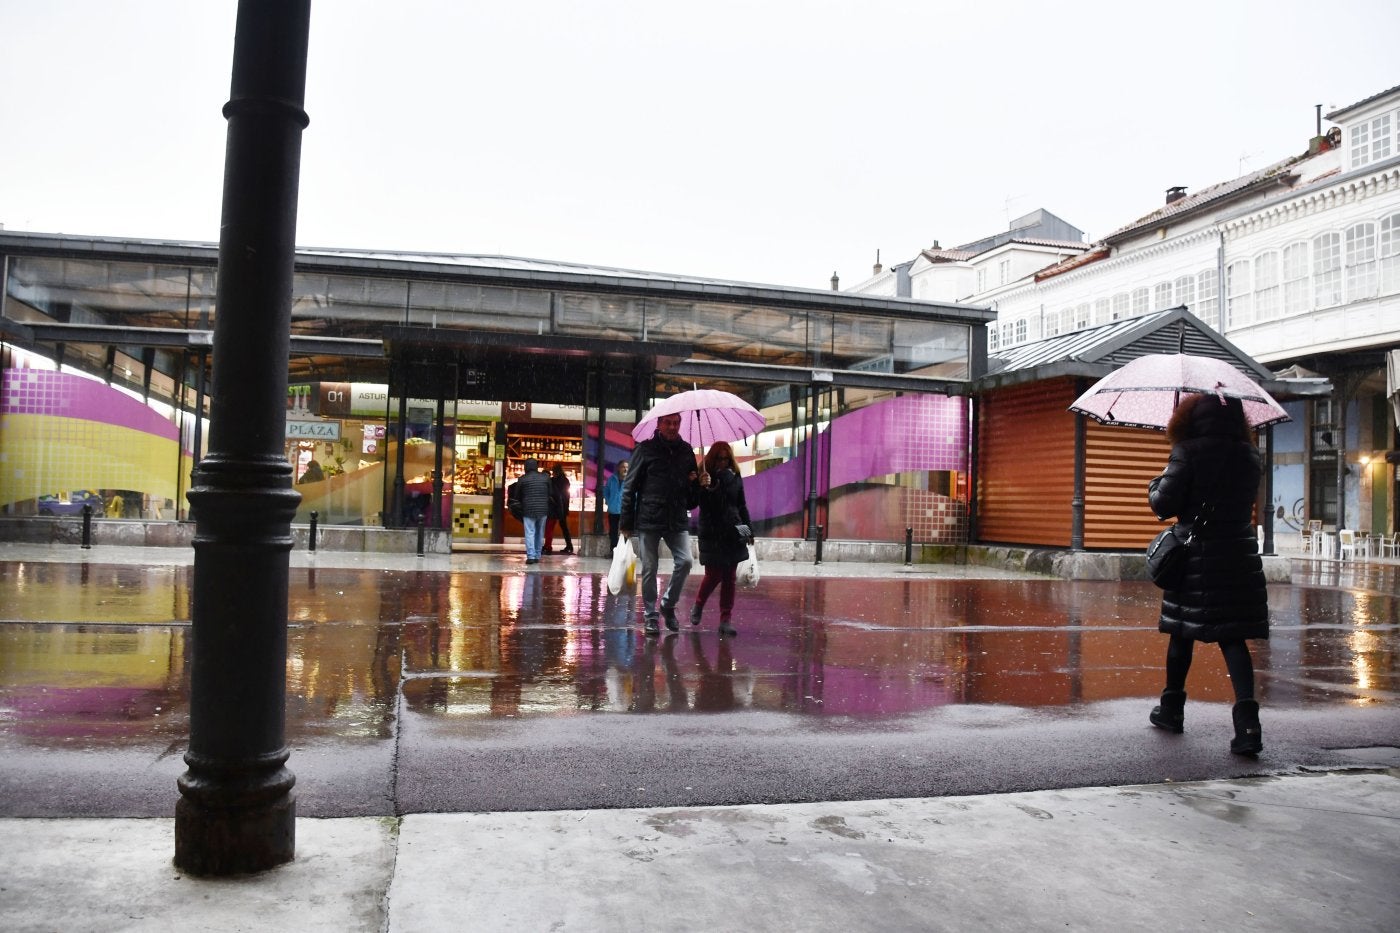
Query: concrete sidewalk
1302, 852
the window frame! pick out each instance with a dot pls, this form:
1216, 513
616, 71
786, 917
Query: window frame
1359, 261
1327, 269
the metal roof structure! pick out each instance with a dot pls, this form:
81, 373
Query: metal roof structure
82, 297
1096, 351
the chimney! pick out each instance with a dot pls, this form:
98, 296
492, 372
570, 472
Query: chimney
1175, 194
878, 268
935, 245
835, 282
1323, 142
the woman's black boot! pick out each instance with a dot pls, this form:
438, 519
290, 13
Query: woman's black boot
1170, 713
1249, 737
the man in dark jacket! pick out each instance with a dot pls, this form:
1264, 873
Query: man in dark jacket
532, 493
661, 489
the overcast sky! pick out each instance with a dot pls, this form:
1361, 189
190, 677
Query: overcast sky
764, 140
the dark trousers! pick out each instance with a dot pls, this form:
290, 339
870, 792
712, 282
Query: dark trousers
613, 521
1238, 663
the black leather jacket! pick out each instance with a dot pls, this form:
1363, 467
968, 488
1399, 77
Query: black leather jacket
661, 487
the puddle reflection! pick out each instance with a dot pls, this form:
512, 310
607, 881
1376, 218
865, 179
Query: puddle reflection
100, 652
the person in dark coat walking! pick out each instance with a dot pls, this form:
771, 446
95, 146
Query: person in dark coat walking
559, 511
1210, 482
529, 498
722, 548
660, 491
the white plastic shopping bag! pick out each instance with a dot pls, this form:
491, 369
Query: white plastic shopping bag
622, 574
747, 573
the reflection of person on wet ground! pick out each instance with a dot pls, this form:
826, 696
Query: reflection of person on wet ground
1213, 474
533, 645
715, 692
675, 682
619, 647
644, 677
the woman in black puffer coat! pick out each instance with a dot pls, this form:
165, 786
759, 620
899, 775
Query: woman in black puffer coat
722, 549
1211, 480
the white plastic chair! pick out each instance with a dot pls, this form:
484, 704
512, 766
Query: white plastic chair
1387, 546
1346, 544
1314, 537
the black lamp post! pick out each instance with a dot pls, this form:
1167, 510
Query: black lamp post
236, 812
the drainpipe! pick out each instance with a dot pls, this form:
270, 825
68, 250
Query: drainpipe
1220, 297
396, 507
436, 504
1266, 507
1344, 390
1076, 522
974, 411
812, 530
600, 393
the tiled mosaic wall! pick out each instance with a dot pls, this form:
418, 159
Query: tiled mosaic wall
60, 432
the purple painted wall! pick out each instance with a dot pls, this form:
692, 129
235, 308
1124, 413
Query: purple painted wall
909, 433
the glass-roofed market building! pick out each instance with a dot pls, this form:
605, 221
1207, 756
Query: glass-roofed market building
419, 383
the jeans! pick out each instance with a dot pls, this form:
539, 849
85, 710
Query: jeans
534, 535
649, 555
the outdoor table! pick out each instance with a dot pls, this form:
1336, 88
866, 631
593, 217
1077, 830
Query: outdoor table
1328, 544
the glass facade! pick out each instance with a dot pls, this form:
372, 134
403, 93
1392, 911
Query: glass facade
107, 361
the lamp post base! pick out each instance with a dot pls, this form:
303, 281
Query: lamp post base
234, 841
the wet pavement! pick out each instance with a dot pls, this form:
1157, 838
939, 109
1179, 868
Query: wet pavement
882, 747
468, 683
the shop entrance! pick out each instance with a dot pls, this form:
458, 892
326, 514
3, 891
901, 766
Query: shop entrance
543, 397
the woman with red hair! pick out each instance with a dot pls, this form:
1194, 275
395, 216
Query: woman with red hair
722, 547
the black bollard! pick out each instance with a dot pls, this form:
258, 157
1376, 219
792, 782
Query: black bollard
422, 528
237, 814
908, 547
87, 526
819, 544
311, 536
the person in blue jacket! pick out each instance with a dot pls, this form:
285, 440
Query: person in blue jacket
612, 501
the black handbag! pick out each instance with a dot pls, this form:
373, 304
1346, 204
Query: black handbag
1166, 557
1167, 554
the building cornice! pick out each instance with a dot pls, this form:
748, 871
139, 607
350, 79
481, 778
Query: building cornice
1334, 192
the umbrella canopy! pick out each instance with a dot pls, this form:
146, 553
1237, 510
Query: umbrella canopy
707, 415
1145, 392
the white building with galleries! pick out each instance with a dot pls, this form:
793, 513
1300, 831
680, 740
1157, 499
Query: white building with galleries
1297, 264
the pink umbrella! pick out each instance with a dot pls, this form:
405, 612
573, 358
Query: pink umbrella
707, 415
1145, 392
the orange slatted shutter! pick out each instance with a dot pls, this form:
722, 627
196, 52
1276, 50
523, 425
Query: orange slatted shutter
1118, 463
1026, 464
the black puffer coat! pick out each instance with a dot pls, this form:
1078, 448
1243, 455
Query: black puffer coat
722, 506
661, 488
535, 494
1224, 596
